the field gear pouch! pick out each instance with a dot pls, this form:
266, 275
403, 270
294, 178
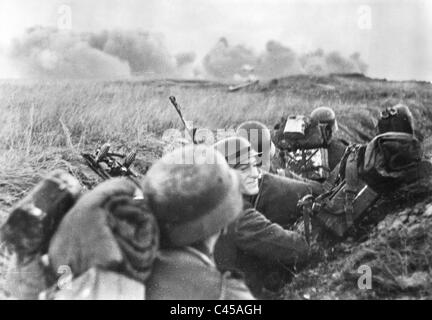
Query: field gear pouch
390, 159
338, 209
386, 162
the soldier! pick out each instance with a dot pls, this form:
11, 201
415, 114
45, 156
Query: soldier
397, 118
259, 137
278, 195
253, 238
313, 134
192, 201
402, 152
335, 147
108, 245
394, 157
105, 246
69, 245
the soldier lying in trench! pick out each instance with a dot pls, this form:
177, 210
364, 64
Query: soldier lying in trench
364, 172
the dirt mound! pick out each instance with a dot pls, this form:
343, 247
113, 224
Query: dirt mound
393, 245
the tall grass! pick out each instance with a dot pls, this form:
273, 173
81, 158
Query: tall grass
40, 122
31, 112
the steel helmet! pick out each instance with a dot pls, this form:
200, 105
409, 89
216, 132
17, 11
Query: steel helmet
236, 150
325, 115
397, 118
258, 135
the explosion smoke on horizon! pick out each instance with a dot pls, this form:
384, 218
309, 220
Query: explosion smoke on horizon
50, 53
145, 52
277, 61
44, 52
225, 61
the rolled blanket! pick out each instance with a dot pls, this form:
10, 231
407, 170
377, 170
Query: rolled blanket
107, 229
136, 232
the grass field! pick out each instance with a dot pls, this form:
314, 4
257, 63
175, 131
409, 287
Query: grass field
45, 125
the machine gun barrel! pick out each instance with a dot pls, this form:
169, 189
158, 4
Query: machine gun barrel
179, 112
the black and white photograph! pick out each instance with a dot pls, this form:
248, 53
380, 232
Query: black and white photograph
215, 150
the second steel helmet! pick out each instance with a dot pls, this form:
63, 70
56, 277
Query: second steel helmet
397, 119
325, 115
236, 150
258, 135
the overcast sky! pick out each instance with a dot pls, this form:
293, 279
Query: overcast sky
394, 37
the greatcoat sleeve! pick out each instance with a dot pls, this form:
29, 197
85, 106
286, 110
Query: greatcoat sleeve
257, 235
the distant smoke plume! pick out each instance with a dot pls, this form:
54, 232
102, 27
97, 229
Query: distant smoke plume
227, 62
145, 52
186, 65
48, 53
320, 63
224, 61
277, 61
185, 58
336, 63
361, 65
314, 62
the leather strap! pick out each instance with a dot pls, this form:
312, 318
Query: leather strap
351, 185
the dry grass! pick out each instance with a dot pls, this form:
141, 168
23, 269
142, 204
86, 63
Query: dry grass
44, 125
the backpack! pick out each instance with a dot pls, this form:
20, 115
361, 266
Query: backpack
390, 160
364, 173
348, 198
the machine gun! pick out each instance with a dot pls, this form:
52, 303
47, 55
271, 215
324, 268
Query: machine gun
34, 219
303, 146
108, 164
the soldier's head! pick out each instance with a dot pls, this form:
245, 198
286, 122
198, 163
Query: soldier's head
240, 156
396, 119
327, 117
259, 137
192, 198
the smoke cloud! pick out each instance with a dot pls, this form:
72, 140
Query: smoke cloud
227, 62
145, 52
50, 53
277, 61
224, 61
185, 58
